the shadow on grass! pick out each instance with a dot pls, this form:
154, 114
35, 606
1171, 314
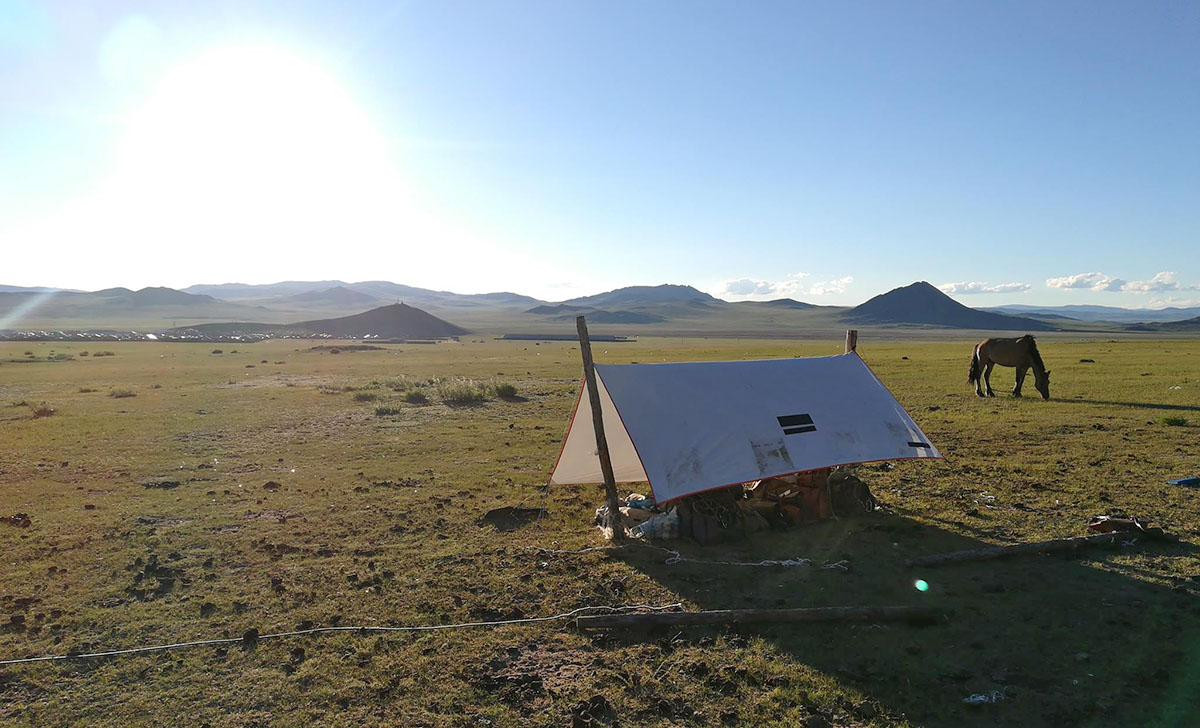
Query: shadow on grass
1134, 405
1062, 641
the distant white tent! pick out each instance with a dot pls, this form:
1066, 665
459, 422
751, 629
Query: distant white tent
690, 427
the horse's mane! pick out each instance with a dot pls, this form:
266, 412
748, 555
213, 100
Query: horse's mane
1038, 364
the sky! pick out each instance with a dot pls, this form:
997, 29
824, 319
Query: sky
1019, 152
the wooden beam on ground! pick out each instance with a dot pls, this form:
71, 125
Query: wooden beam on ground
916, 615
610, 481
851, 340
1039, 547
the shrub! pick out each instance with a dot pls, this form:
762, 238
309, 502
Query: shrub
365, 396
462, 391
22, 403
60, 357
384, 411
121, 393
104, 353
1174, 421
42, 410
218, 351
335, 351
29, 353
83, 353
505, 390
416, 396
86, 390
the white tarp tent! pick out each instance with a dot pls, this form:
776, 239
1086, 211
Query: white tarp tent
691, 427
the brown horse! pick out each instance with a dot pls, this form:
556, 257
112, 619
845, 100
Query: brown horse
1021, 353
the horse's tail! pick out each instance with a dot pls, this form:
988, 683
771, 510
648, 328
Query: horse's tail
973, 373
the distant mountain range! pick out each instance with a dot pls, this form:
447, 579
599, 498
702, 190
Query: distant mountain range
664, 310
343, 291
394, 321
1099, 313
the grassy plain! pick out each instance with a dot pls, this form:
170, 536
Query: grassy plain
152, 521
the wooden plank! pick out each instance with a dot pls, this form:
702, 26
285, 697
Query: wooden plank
999, 552
610, 481
918, 615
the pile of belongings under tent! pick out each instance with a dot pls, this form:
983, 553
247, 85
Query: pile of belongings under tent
733, 512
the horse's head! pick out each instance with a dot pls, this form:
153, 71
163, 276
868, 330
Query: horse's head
1043, 384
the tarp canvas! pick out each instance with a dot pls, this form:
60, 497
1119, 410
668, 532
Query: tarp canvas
690, 427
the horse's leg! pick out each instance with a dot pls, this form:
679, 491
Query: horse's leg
987, 378
977, 370
1020, 380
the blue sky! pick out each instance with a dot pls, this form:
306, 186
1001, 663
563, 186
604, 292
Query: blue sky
1014, 153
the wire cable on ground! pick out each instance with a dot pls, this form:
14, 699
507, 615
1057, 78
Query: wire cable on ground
359, 630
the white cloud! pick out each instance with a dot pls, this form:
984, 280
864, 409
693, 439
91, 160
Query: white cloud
980, 287
1173, 301
750, 288
747, 287
824, 288
1093, 281
1164, 281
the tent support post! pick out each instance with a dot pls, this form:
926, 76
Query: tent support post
610, 482
851, 340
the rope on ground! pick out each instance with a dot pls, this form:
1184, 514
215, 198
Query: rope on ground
674, 557
358, 630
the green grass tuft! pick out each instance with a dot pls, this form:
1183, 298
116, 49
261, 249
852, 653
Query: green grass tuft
462, 391
386, 411
1174, 421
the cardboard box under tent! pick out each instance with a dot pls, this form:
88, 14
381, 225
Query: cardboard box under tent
689, 428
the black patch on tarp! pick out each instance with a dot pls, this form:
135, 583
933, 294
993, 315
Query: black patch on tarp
796, 424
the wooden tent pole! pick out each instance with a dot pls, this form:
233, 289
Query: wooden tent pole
851, 340
589, 376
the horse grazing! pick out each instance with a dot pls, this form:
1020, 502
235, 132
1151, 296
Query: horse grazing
1021, 353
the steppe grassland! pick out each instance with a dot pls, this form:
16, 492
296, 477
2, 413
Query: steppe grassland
150, 511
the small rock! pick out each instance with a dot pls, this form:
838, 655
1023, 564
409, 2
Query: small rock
1082, 656
250, 639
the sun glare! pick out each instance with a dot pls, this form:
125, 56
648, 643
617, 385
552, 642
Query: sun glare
239, 157
257, 136
254, 162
